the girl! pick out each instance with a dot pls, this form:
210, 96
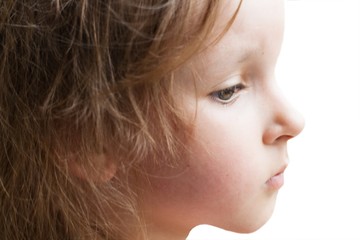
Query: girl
139, 119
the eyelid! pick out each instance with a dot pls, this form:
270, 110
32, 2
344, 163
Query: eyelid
229, 82
238, 88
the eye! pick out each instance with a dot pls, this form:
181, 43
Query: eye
227, 95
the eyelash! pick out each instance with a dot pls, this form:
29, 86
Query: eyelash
232, 91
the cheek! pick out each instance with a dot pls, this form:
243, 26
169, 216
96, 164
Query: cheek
224, 168
221, 180
217, 178
220, 187
228, 147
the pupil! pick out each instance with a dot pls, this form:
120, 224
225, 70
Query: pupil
226, 94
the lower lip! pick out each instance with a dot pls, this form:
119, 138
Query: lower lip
276, 182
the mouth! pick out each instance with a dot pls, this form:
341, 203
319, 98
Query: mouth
277, 180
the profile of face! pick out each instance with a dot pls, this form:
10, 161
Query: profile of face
241, 125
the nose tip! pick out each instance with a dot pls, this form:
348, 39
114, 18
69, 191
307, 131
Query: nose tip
286, 123
295, 123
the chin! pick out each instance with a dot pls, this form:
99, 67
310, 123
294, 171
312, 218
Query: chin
248, 227
254, 223
254, 227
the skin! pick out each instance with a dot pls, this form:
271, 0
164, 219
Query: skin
236, 144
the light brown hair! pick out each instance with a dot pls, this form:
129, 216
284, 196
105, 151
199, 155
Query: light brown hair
83, 78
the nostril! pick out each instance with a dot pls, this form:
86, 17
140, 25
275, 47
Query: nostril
284, 121
284, 138
284, 127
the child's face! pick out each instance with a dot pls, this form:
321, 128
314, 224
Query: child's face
240, 134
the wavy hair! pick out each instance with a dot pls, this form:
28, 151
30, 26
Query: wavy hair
79, 76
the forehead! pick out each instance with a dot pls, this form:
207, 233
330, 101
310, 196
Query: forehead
255, 23
257, 26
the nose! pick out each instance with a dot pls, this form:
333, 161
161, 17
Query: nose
284, 121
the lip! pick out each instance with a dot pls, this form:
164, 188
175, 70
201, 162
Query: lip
277, 180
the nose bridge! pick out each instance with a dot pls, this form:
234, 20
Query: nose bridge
285, 121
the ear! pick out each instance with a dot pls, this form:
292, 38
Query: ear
98, 168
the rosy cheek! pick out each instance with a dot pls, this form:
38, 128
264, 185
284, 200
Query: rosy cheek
217, 170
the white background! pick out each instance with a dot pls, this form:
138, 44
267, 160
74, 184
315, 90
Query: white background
319, 71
